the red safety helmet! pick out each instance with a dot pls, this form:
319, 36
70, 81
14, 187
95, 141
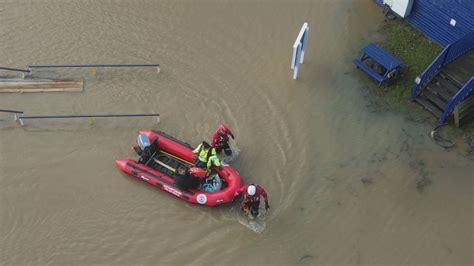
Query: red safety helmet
198, 172
221, 129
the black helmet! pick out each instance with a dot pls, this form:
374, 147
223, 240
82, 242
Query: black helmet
205, 145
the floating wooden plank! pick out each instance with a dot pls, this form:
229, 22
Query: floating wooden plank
41, 85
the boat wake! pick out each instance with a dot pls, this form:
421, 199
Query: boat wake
235, 152
257, 224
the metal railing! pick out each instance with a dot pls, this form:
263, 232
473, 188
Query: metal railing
429, 73
11, 111
462, 94
15, 69
31, 67
460, 47
449, 54
21, 118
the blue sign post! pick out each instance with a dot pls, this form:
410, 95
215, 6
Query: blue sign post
299, 48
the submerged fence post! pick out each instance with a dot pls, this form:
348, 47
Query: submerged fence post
299, 48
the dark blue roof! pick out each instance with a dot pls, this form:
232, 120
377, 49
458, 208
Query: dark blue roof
433, 17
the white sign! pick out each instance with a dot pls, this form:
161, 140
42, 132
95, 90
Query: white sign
418, 80
298, 49
172, 190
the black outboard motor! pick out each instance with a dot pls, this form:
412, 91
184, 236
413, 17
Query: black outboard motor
146, 150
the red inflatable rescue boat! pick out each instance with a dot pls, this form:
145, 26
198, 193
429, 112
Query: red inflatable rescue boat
165, 155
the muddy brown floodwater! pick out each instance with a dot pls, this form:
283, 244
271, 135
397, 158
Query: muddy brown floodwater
347, 185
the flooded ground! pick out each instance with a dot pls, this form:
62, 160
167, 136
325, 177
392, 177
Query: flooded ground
348, 183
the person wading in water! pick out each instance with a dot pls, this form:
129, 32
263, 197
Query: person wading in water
251, 201
220, 140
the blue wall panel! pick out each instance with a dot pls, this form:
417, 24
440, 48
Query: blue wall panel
433, 18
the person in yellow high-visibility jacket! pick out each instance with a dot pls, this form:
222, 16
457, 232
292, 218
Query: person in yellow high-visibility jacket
204, 152
213, 161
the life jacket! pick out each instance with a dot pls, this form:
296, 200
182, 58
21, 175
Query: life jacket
223, 138
252, 199
213, 161
223, 133
205, 154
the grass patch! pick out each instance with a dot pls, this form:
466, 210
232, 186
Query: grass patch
417, 52
414, 49
468, 131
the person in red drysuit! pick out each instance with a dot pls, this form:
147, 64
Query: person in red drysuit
251, 201
220, 140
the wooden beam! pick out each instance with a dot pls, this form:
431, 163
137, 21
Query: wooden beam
456, 116
165, 165
175, 157
42, 85
465, 110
